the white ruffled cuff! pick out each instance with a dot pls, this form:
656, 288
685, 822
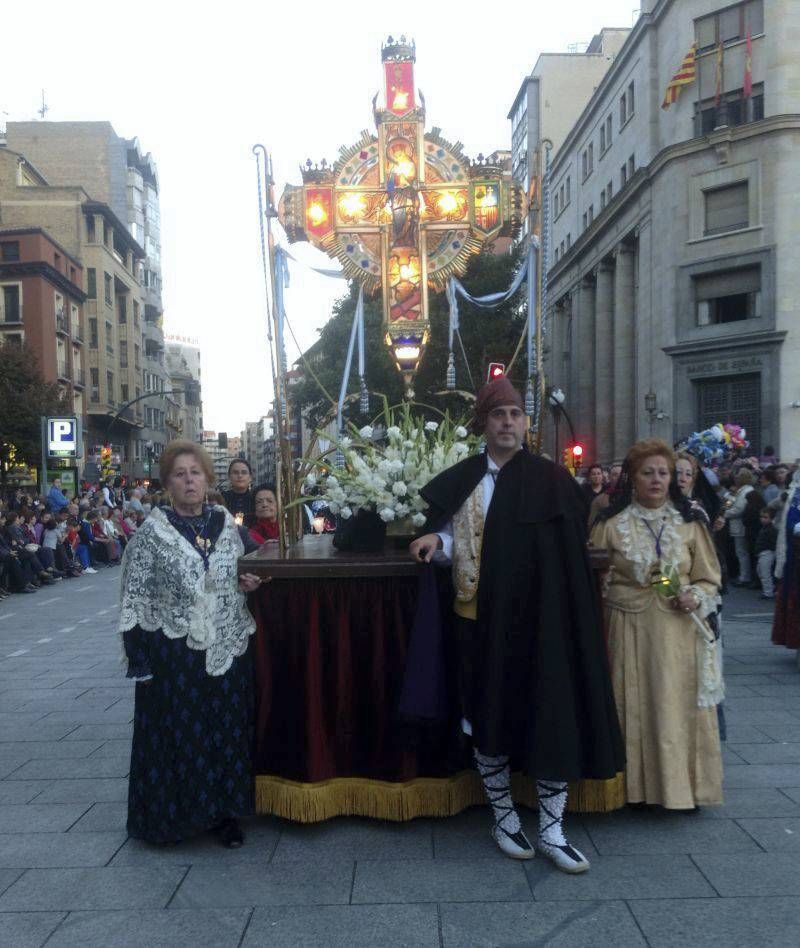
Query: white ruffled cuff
707, 604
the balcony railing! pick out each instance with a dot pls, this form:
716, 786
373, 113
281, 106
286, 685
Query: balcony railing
62, 324
61, 371
77, 333
79, 378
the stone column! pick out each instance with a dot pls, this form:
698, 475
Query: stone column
604, 363
582, 407
624, 353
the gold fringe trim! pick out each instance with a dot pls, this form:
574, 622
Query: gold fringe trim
425, 796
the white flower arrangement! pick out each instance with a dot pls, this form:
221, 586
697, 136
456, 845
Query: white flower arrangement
386, 475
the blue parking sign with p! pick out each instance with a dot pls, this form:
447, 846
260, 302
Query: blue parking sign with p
62, 437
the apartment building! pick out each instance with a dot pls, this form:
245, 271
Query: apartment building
41, 305
114, 172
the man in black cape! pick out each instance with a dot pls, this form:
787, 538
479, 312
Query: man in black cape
533, 670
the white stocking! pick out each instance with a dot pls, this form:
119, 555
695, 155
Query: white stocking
496, 778
552, 803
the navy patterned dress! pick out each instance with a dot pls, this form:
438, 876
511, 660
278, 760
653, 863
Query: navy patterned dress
192, 753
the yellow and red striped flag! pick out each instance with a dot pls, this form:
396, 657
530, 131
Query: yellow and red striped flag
747, 84
685, 76
718, 77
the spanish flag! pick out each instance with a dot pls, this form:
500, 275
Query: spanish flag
685, 76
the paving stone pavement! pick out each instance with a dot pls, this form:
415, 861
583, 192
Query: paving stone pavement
70, 876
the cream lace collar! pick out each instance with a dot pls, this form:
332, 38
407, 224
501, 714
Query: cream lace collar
644, 531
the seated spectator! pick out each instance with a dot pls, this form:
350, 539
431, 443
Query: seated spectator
98, 553
25, 551
122, 525
100, 534
53, 552
32, 527
79, 548
111, 527
16, 575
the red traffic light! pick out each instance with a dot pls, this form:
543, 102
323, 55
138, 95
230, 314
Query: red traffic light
577, 451
496, 371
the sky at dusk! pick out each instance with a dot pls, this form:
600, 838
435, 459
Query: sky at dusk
199, 85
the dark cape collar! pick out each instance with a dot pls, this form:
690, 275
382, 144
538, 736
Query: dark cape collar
538, 490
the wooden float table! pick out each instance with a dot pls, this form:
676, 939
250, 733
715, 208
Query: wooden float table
330, 653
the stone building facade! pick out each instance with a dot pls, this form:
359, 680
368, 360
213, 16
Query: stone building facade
115, 172
185, 377
90, 233
674, 279
552, 97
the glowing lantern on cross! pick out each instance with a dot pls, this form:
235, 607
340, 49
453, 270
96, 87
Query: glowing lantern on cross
403, 210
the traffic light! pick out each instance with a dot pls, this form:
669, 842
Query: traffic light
496, 371
573, 457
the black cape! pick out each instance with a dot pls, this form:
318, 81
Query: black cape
540, 689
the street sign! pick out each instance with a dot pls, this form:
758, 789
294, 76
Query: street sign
63, 438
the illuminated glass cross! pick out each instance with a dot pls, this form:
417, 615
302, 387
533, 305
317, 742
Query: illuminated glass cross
402, 211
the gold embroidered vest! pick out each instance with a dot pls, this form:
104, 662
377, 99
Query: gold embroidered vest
467, 539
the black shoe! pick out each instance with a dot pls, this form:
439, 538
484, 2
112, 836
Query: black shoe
230, 834
30, 588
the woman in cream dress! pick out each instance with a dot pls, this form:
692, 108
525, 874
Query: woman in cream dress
665, 662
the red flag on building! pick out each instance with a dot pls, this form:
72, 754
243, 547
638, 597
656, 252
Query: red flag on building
718, 86
685, 76
747, 84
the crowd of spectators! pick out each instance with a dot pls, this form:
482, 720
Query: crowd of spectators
45, 539
745, 496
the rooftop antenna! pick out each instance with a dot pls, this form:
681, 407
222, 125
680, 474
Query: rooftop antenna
44, 109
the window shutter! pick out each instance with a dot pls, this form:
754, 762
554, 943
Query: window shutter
727, 208
727, 283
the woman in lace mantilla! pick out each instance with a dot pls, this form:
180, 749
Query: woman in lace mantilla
185, 632
665, 661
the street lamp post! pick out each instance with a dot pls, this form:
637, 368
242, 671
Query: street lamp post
556, 399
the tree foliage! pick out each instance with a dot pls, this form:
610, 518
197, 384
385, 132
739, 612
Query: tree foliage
24, 398
488, 336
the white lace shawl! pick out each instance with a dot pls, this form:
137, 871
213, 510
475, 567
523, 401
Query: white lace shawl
164, 587
639, 547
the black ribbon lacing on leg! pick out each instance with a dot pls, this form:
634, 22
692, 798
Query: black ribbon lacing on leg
496, 794
547, 791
